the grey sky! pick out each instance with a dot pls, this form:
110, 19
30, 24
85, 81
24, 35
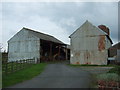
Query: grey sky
59, 19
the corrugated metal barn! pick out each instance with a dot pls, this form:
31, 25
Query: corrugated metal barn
30, 44
89, 45
115, 51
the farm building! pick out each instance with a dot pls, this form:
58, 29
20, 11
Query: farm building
89, 44
115, 51
30, 44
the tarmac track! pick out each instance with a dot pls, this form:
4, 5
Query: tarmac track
58, 76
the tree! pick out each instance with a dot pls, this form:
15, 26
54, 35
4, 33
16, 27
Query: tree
1, 46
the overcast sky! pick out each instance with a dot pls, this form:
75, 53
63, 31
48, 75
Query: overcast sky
59, 19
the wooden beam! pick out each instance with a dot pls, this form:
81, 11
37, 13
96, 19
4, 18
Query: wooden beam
66, 52
50, 50
59, 52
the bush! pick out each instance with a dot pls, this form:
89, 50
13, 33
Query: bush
108, 80
115, 70
108, 77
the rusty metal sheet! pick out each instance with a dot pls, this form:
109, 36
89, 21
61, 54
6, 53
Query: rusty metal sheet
90, 57
101, 43
77, 63
77, 54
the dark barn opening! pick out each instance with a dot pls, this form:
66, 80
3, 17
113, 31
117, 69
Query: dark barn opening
51, 51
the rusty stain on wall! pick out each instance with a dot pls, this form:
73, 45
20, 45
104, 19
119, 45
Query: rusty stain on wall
77, 63
101, 43
88, 63
92, 44
87, 55
77, 54
90, 35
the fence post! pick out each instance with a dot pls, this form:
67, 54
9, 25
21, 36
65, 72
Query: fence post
30, 61
6, 68
16, 62
34, 61
11, 66
24, 63
27, 62
20, 64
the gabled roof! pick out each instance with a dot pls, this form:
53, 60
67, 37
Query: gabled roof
43, 36
87, 22
116, 46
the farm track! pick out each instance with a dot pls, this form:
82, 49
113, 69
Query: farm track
58, 75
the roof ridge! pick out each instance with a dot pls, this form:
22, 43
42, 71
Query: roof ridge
36, 31
53, 39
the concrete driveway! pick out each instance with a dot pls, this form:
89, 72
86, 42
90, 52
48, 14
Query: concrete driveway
58, 76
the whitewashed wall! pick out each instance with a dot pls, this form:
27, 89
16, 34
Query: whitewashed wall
23, 45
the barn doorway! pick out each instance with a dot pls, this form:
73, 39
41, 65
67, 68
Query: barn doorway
51, 51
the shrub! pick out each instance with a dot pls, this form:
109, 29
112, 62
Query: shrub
108, 80
115, 70
108, 77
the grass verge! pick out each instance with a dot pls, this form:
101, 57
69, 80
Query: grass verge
22, 75
87, 65
93, 84
116, 70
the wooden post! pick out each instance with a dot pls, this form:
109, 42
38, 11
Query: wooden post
16, 65
12, 66
24, 63
59, 52
6, 68
66, 52
20, 64
51, 51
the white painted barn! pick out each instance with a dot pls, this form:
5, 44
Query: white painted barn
89, 45
29, 44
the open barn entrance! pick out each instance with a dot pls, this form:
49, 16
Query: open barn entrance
51, 51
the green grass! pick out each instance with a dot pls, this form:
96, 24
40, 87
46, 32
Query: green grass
87, 65
22, 75
94, 80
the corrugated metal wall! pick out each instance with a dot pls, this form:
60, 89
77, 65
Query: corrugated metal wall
89, 45
87, 50
118, 55
23, 46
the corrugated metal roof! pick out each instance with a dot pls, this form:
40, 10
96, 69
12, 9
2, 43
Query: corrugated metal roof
87, 22
116, 46
44, 36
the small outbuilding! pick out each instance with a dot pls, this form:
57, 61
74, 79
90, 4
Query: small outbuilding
89, 45
30, 44
115, 52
